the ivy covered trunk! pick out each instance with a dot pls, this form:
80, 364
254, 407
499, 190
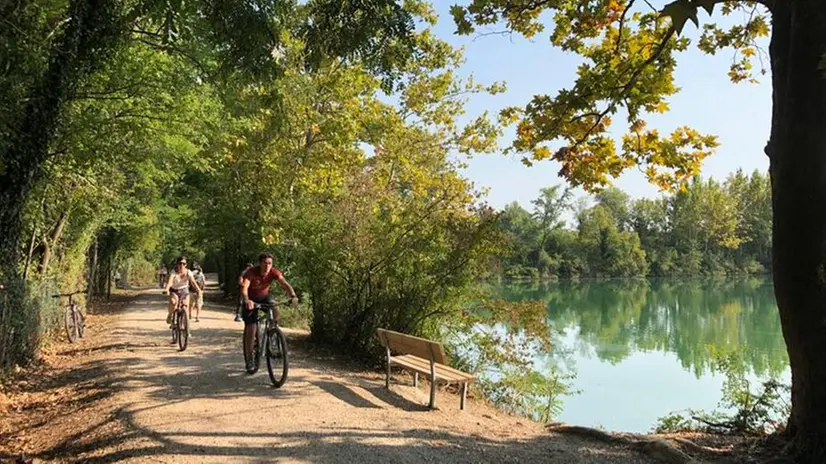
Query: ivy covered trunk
797, 152
91, 30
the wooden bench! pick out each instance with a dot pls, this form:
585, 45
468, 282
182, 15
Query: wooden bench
424, 357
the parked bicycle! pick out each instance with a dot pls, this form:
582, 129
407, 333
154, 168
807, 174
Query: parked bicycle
73, 319
274, 344
180, 325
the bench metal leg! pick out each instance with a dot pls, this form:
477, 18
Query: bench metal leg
415, 379
387, 378
432, 385
464, 396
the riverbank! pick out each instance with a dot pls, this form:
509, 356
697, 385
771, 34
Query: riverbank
125, 394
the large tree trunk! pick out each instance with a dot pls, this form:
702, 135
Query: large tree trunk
93, 268
797, 152
91, 32
50, 242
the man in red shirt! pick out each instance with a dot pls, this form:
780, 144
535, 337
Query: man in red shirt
255, 288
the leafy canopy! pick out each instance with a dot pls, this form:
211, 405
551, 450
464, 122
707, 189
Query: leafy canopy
629, 52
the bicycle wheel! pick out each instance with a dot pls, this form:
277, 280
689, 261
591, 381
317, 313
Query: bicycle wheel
183, 330
276, 350
71, 324
81, 324
259, 345
247, 360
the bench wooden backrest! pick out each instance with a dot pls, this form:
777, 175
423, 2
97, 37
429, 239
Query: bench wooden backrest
408, 344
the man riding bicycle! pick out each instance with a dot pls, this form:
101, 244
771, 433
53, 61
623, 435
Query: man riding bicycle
255, 288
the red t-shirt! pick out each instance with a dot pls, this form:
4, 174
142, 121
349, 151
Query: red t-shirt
260, 284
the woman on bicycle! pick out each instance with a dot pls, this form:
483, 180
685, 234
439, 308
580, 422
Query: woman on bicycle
177, 286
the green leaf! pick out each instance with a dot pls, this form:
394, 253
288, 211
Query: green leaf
463, 26
680, 11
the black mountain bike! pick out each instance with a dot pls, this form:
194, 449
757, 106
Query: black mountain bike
180, 327
269, 339
73, 319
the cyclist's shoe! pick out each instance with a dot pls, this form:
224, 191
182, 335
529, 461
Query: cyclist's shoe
250, 367
169, 318
237, 317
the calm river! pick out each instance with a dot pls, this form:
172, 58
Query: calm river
640, 349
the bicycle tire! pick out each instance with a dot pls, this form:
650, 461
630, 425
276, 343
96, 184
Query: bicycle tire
246, 357
259, 345
174, 330
71, 324
274, 353
183, 330
81, 328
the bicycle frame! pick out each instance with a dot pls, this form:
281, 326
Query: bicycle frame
266, 334
71, 296
180, 305
74, 313
180, 335
269, 309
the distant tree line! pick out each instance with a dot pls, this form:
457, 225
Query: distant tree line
708, 228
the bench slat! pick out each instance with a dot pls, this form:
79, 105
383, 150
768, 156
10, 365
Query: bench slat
441, 376
445, 373
445, 369
408, 344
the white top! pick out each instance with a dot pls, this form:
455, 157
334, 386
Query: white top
179, 281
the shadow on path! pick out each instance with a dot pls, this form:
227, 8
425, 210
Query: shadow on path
140, 366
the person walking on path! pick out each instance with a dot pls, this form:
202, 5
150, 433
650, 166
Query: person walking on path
162, 273
198, 302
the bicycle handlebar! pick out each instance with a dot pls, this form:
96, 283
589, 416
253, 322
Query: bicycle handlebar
58, 295
272, 305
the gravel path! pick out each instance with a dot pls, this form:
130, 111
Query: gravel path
137, 399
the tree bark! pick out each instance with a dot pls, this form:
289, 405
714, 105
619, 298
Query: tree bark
109, 269
92, 31
49, 242
797, 152
30, 253
93, 267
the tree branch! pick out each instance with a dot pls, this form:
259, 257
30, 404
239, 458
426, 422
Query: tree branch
627, 87
503, 32
767, 3
127, 114
93, 96
719, 425
173, 49
622, 24
519, 9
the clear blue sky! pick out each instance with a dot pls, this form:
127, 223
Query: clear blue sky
739, 114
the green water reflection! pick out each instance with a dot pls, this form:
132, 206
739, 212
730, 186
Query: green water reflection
641, 348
